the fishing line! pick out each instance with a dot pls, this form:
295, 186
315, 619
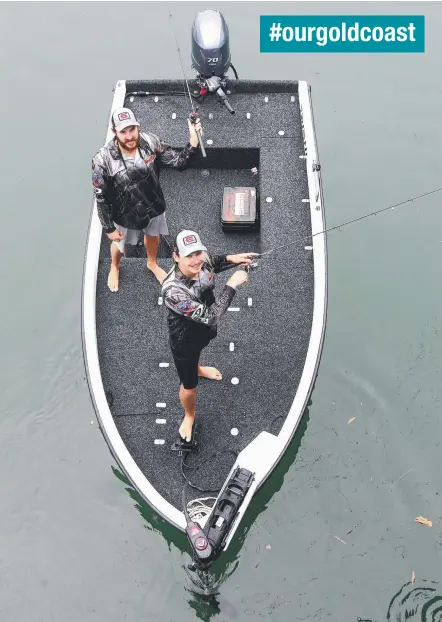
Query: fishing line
344, 224
349, 222
192, 115
182, 66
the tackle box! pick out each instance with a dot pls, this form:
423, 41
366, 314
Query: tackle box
239, 209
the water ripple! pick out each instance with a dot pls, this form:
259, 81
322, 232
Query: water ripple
415, 603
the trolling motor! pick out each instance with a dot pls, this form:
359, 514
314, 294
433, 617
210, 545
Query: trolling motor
211, 54
208, 543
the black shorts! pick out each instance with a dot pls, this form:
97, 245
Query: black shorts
187, 367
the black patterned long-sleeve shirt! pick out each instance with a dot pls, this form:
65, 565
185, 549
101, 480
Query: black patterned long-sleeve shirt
194, 312
132, 195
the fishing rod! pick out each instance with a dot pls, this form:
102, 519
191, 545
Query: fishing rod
349, 222
192, 115
254, 265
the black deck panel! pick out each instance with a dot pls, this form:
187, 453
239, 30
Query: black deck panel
271, 337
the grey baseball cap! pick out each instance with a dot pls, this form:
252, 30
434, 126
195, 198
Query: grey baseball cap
123, 117
189, 242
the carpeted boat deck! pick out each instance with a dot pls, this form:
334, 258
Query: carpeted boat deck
270, 321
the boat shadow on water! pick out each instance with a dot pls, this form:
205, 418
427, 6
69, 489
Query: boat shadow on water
203, 587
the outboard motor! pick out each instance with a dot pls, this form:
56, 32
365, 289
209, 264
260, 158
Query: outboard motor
211, 53
210, 44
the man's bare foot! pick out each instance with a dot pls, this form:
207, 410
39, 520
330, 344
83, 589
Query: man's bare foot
158, 272
113, 279
186, 428
209, 372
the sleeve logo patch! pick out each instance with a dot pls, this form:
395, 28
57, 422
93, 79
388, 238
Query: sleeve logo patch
97, 179
186, 306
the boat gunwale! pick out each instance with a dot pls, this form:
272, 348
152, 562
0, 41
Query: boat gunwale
319, 244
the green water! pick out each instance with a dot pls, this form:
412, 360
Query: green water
332, 536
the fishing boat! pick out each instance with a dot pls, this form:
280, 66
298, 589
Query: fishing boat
254, 186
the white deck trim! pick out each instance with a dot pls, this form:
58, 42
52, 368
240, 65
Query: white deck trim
108, 427
320, 271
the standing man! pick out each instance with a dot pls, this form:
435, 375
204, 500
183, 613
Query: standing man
125, 175
194, 313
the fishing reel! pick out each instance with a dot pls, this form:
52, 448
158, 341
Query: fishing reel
251, 266
214, 84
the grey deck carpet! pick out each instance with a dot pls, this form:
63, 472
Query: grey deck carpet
270, 337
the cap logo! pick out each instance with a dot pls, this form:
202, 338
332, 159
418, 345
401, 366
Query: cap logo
189, 239
123, 116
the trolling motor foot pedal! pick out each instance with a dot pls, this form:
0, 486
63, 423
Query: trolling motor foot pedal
186, 447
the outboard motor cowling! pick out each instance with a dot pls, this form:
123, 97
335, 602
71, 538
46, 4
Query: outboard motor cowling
210, 44
211, 54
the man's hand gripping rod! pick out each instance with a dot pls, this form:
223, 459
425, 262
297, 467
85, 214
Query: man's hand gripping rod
193, 118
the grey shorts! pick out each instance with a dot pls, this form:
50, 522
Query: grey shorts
157, 226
